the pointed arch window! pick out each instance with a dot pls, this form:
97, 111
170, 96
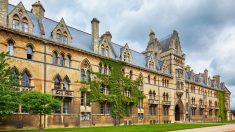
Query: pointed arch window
126, 56
151, 65
10, 47
25, 80
15, 76
57, 83
61, 57
149, 79
16, 22
25, 26
68, 61
66, 84
85, 72
54, 58
29, 52
131, 74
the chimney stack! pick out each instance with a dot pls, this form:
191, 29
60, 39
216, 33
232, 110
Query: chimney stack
206, 76
217, 79
95, 34
38, 10
3, 12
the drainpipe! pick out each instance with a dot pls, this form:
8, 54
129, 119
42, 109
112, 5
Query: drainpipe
158, 101
44, 81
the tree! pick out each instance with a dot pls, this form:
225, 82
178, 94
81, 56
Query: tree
9, 97
39, 103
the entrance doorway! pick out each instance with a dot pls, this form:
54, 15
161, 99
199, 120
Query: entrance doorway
177, 113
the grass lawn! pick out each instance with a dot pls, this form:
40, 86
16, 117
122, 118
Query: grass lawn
139, 128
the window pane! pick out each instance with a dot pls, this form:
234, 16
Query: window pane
15, 24
10, 48
54, 58
24, 27
25, 80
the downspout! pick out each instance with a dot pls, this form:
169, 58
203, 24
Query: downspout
159, 101
44, 81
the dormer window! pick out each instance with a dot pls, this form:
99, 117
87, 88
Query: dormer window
126, 57
61, 37
104, 50
15, 24
25, 26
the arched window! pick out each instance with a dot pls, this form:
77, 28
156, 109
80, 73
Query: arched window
54, 58
155, 80
64, 38
154, 94
107, 51
149, 79
85, 71
103, 50
126, 57
25, 80
58, 36
100, 67
105, 69
66, 84
57, 84
151, 65
88, 76
25, 27
150, 94
15, 76
131, 74
83, 75
10, 47
29, 52
16, 22
61, 57
68, 61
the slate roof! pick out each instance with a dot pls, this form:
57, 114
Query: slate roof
80, 39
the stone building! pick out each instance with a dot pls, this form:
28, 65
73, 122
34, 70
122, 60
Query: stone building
52, 58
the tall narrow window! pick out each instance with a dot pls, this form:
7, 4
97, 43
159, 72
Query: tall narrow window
83, 98
54, 58
68, 61
25, 80
29, 52
100, 67
58, 37
83, 75
107, 51
25, 27
10, 48
88, 76
65, 107
66, 84
64, 38
131, 74
15, 24
57, 84
61, 57
149, 79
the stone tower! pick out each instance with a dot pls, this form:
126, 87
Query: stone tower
95, 34
3, 12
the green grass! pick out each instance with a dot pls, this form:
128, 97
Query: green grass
138, 128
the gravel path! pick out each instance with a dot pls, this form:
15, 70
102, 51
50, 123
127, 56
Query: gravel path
224, 128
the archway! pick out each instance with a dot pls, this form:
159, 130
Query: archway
177, 113
179, 110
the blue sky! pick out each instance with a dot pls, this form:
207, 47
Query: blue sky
206, 27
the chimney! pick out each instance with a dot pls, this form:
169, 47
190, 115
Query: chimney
217, 79
95, 34
206, 76
3, 12
38, 10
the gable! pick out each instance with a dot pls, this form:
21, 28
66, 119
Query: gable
61, 28
20, 13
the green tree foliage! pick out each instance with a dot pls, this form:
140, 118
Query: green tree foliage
39, 103
9, 97
118, 84
222, 109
